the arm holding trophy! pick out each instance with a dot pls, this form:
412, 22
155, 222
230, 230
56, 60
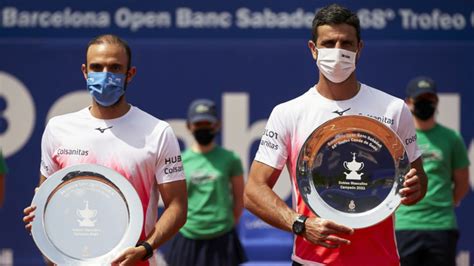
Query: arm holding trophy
172, 219
260, 199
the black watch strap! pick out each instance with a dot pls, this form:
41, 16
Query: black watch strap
148, 248
302, 218
298, 225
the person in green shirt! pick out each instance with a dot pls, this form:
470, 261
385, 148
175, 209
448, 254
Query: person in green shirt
215, 185
3, 172
427, 231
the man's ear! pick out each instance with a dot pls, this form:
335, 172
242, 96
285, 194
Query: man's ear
360, 46
312, 48
131, 73
84, 71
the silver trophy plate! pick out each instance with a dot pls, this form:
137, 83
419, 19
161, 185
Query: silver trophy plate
350, 170
86, 215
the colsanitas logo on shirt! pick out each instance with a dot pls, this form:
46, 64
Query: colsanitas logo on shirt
172, 170
269, 144
410, 140
382, 118
72, 152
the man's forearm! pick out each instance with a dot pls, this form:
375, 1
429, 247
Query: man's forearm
459, 192
172, 219
237, 211
461, 184
264, 203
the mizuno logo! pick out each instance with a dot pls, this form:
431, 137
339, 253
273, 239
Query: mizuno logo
102, 130
341, 112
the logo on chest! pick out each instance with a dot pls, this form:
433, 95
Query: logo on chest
200, 177
340, 113
102, 130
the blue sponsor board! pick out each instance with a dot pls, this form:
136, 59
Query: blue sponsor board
238, 53
440, 20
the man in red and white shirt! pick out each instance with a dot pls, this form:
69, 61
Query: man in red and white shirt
115, 134
335, 46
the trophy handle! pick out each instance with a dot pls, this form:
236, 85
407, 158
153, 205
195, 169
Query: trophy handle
361, 166
345, 165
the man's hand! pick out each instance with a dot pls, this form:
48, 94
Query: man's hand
29, 216
325, 232
131, 256
411, 193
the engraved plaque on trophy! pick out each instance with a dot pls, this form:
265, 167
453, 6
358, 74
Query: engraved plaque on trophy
86, 215
350, 170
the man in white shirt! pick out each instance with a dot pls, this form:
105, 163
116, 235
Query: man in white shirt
115, 134
336, 45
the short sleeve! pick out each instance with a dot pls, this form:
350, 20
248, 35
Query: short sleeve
272, 150
407, 133
48, 165
169, 165
459, 153
236, 166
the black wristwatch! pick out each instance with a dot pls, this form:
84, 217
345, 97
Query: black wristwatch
148, 248
298, 225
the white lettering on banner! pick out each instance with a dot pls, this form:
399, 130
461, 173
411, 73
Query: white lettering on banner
246, 18
376, 18
135, 20
68, 103
6, 257
19, 114
237, 135
12, 17
187, 18
463, 258
437, 20
472, 19
241, 18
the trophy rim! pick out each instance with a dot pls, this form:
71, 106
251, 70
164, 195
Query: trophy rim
126, 191
346, 124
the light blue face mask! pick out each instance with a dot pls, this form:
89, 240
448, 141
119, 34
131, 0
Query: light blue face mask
106, 87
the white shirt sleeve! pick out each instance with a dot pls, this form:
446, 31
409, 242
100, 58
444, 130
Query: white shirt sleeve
169, 166
407, 133
273, 149
48, 165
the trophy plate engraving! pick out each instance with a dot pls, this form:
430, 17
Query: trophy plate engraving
350, 170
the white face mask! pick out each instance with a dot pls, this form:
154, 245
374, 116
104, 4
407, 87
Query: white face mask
336, 64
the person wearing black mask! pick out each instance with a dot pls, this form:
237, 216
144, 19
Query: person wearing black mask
427, 232
215, 184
